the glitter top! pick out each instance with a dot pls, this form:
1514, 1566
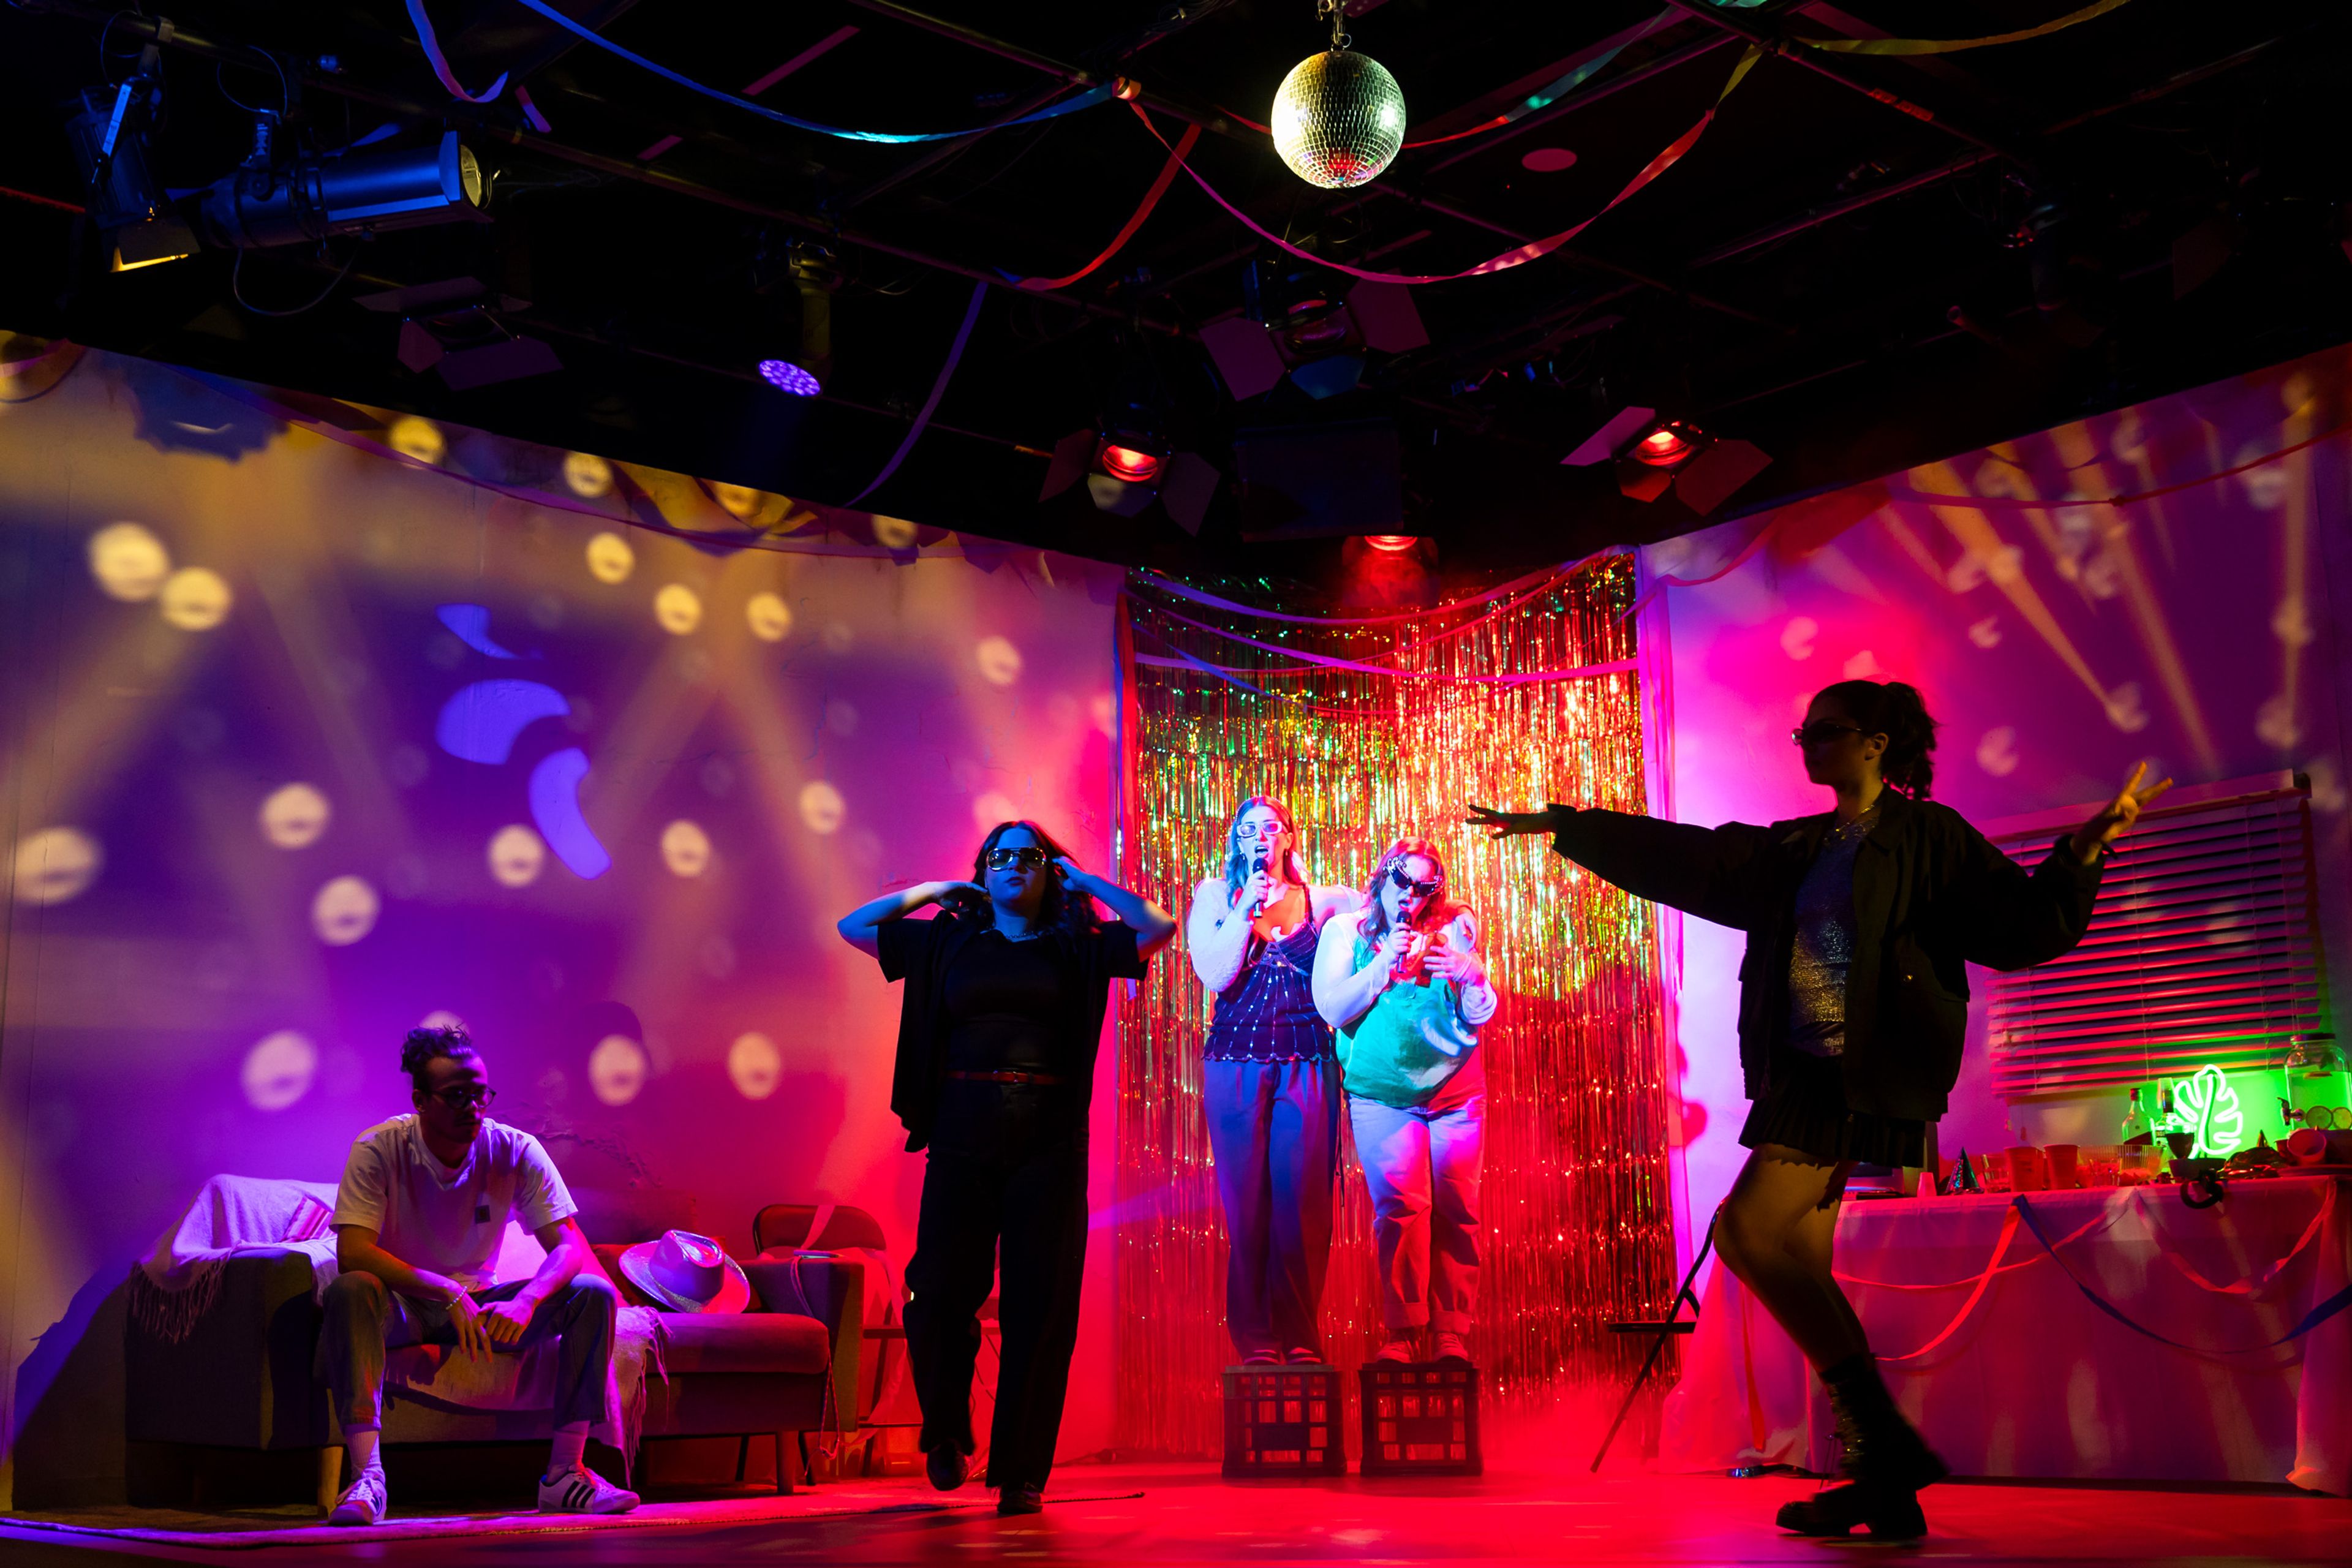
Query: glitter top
1267, 1014
1824, 946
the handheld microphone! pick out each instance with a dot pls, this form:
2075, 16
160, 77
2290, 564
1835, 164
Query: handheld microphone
1257, 864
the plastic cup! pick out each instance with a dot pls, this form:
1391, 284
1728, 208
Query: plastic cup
2063, 1159
2028, 1171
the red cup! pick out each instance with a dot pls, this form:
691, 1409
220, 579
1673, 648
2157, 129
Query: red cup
2028, 1171
2062, 1161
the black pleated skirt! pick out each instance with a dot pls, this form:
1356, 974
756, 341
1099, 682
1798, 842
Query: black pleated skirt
1804, 1108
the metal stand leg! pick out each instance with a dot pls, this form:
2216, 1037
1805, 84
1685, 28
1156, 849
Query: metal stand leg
1658, 1345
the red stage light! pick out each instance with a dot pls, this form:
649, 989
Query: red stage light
1136, 468
1664, 447
1393, 542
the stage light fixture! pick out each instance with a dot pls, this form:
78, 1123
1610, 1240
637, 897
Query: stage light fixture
108, 132
1126, 471
1394, 543
1307, 323
785, 376
1128, 463
1654, 455
267, 203
1337, 118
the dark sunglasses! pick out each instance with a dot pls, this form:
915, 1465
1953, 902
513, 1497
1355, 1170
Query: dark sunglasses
1821, 731
1006, 859
1418, 889
459, 1096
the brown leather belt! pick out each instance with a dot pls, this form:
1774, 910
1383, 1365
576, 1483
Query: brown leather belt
1035, 1077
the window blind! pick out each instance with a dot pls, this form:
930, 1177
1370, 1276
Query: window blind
2204, 947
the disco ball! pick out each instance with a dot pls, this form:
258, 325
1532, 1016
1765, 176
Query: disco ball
1339, 120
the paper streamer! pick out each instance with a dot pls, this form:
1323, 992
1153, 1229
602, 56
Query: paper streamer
1954, 45
2310, 1321
1533, 250
2054, 503
1085, 100
1553, 91
1150, 200
440, 62
1983, 1283
947, 371
1167, 584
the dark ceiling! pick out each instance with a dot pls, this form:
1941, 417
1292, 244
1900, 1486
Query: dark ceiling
1867, 262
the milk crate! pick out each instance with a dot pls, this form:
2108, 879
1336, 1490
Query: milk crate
1421, 1418
1284, 1421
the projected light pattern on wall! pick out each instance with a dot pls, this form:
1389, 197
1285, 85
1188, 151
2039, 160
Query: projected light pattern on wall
319, 736
2059, 639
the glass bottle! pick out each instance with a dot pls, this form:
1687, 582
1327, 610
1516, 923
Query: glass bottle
2135, 1128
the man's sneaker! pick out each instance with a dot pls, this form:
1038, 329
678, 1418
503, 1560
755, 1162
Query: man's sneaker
1450, 1347
1400, 1348
583, 1491
362, 1501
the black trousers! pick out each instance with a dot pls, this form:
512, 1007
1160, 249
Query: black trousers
1029, 1206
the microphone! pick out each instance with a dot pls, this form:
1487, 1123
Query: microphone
1257, 864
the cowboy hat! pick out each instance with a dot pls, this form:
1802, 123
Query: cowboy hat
687, 1273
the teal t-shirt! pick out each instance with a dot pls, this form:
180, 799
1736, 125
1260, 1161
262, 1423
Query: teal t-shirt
1407, 1044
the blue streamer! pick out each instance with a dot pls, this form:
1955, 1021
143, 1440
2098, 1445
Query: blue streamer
2311, 1319
955, 356
1227, 675
1085, 100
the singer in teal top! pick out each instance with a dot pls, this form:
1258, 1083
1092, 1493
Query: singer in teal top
1403, 984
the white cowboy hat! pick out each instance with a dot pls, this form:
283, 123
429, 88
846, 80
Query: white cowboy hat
687, 1273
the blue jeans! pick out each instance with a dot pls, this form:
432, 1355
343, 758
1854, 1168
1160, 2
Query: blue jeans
1274, 1131
364, 1319
1422, 1165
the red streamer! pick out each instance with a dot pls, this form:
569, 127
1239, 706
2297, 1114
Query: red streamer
1150, 200
1533, 250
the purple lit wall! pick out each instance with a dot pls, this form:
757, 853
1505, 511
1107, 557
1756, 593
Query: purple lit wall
2058, 642
306, 741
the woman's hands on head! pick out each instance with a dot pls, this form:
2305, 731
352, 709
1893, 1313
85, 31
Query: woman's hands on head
1512, 824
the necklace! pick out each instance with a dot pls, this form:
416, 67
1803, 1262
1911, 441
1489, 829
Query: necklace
1023, 936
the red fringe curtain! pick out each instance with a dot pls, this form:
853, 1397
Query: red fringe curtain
1579, 1225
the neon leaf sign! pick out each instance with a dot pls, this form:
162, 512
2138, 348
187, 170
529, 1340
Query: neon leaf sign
2206, 1107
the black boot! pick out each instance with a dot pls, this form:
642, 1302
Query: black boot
1891, 1514
1876, 1445
946, 1467
1016, 1499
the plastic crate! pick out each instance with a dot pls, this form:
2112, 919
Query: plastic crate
1421, 1418
1284, 1421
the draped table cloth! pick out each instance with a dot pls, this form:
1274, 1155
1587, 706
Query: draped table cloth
2107, 1334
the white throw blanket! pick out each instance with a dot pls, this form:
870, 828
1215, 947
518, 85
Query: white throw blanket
179, 1279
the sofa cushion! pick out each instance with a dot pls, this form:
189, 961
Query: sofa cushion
744, 1342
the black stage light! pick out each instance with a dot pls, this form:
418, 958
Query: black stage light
1309, 324
309, 198
1126, 470
1653, 455
109, 135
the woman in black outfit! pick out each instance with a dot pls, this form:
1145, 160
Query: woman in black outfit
1003, 1009
1852, 1010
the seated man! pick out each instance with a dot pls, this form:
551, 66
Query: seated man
425, 1202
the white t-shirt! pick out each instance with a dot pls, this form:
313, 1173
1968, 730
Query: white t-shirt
450, 1222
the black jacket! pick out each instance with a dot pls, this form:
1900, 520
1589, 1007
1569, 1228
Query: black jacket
1931, 895
920, 952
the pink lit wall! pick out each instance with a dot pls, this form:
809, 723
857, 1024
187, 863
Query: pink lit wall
2059, 642
304, 741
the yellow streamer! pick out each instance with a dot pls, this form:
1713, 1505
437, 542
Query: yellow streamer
1954, 45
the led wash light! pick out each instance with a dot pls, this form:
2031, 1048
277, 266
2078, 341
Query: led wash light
785, 376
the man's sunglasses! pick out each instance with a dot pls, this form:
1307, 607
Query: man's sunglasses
1821, 731
1418, 889
1006, 859
459, 1096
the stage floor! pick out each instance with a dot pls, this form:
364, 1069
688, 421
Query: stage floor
1188, 1515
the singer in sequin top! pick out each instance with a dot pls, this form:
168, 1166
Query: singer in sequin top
1269, 1083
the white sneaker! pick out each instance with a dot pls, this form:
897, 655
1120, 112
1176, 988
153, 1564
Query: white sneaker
583, 1491
1400, 1349
362, 1501
1450, 1347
